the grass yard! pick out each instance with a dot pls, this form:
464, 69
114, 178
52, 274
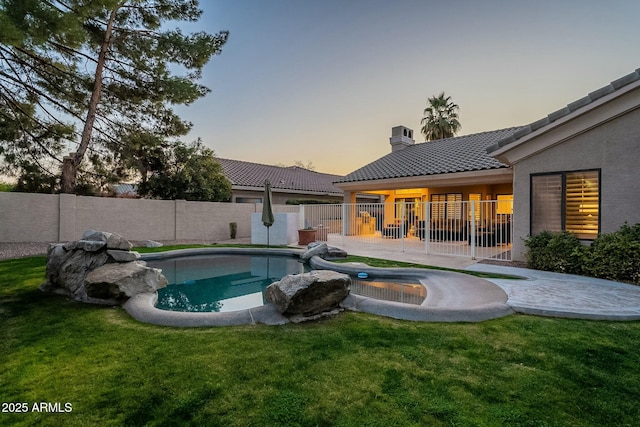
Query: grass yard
352, 370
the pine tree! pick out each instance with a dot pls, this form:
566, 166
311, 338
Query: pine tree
93, 74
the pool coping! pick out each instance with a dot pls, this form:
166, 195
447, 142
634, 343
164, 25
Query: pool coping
451, 296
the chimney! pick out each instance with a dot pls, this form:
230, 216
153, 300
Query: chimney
401, 137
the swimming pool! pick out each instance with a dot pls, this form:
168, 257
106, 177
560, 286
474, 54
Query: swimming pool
225, 282
450, 296
221, 283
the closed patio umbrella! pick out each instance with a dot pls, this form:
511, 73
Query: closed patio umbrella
267, 210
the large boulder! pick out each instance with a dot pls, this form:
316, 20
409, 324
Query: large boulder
99, 268
67, 268
112, 240
323, 251
118, 282
123, 256
309, 295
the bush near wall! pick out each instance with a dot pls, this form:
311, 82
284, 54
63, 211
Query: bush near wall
5, 186
561, 252
616, 256
613, 256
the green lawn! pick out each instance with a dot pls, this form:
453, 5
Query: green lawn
352, 370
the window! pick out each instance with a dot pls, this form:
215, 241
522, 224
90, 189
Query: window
438, 204
582, 204
505, 204
446, 206
546, 203
476, 198
566, 201
454, 206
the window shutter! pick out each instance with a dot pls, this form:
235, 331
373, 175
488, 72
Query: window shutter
475, 198
582, 204
454, 206
546, 206
437, 206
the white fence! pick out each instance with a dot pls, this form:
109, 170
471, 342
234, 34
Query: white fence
475, 229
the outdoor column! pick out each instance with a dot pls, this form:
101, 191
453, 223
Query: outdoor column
301, 217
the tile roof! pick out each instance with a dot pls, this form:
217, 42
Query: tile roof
570, 108
124, 188
247, 174
459, 154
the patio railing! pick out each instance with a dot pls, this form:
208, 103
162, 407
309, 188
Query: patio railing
474, 229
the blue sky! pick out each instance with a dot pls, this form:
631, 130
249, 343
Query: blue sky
325, 80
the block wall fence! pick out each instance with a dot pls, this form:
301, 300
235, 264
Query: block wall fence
26, 217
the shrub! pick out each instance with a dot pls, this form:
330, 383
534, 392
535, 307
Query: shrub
5, 186
616, 256
613, 256
561, 252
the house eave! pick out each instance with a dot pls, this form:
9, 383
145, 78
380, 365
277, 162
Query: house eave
487, 176
286, 190
569, 125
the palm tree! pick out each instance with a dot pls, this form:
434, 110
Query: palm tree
440, 118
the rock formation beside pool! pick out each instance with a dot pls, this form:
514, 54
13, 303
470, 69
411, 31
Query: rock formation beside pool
323, 251
100, 268
309, 296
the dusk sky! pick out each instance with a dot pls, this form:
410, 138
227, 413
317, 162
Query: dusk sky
326, 80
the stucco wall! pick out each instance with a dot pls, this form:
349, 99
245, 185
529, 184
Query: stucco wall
613, 147
29, 217
62, 217
133, 218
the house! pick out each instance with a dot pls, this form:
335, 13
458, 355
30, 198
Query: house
288, 183
577, 169
438, 190
451, 169
574, 170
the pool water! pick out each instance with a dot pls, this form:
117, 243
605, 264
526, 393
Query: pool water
390, 290
224, 283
